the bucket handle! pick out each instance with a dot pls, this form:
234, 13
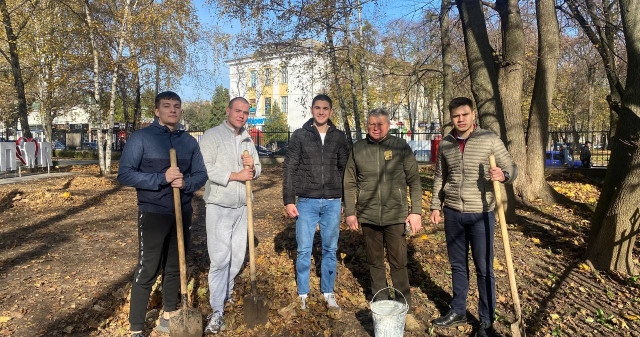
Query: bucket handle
406, 304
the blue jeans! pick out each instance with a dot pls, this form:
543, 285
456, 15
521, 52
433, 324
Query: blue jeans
476, 230
314, 212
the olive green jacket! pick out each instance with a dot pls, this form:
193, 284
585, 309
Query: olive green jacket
462, 180
376, 180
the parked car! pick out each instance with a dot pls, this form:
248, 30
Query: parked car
554, 158
90, 145
282, 151
263, 151
59, 146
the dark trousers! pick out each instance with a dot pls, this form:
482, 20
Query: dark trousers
476, 230
391, 236
157, 250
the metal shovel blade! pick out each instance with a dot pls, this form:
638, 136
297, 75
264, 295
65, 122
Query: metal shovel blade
186, 323
256, 311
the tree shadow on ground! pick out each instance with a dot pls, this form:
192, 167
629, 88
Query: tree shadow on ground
560, 265
421, 278
56, 327
22, 235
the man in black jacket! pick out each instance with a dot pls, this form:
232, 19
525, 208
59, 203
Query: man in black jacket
313, 171
585, 155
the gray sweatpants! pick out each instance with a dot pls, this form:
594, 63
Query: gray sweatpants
227, 244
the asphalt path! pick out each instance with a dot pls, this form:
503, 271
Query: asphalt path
41, 173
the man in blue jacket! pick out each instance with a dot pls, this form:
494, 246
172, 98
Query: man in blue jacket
145, 165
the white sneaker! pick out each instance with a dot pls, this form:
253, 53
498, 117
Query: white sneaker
303, 300
330, 298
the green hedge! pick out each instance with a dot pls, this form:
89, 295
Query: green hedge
82, 154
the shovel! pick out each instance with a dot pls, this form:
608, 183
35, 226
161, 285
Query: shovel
256, 311
517, 327
188, 321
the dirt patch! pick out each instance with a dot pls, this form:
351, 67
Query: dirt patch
68, 247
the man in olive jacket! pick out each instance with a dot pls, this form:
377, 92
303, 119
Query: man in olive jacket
378, 172
313, 171
463, 184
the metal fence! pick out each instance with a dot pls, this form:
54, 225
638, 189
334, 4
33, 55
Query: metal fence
270, 143
276, 143
574, 141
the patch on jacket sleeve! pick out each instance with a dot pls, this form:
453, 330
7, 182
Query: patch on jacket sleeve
388, 155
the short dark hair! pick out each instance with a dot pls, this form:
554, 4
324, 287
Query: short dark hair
322, 97
460, 101
379, 112
233, 100
170, 95
587, 142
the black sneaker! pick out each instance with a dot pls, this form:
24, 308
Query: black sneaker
450, 319
485, 329
137, 334
163, 325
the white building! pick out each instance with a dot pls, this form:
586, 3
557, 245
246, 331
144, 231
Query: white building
289, 80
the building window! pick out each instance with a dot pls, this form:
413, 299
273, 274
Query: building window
284, 77
254, 78
267, 76
252, 106
267, 105
284, 104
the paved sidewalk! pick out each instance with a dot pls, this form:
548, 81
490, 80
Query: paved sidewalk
12, 177
34, 176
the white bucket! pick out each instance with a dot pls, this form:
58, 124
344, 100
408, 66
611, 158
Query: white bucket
388, 315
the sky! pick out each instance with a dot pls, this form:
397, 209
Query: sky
199, 83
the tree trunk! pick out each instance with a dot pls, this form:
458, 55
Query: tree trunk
336, 82
603, 41
591, 79
412, 121
156, 70
14, 60
484, 80
616, 221
44, 94
96, 87
137, 105
482, 67
445, 41
124, 96
362, 63
534, 184
352, 82
510, 84
114, 81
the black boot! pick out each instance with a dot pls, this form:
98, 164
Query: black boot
485, 329
450, 319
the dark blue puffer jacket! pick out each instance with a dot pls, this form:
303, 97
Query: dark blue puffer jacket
145, 159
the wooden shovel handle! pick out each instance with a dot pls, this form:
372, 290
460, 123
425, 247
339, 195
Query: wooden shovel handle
180, 234
505, 241
252, 260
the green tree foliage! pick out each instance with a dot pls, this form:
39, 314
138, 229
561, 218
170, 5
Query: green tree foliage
197, 115
275, 127
219, 104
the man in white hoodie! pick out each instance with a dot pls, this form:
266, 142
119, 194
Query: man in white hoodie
222, 149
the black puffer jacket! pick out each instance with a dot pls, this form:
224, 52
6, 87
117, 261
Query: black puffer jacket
313, 170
